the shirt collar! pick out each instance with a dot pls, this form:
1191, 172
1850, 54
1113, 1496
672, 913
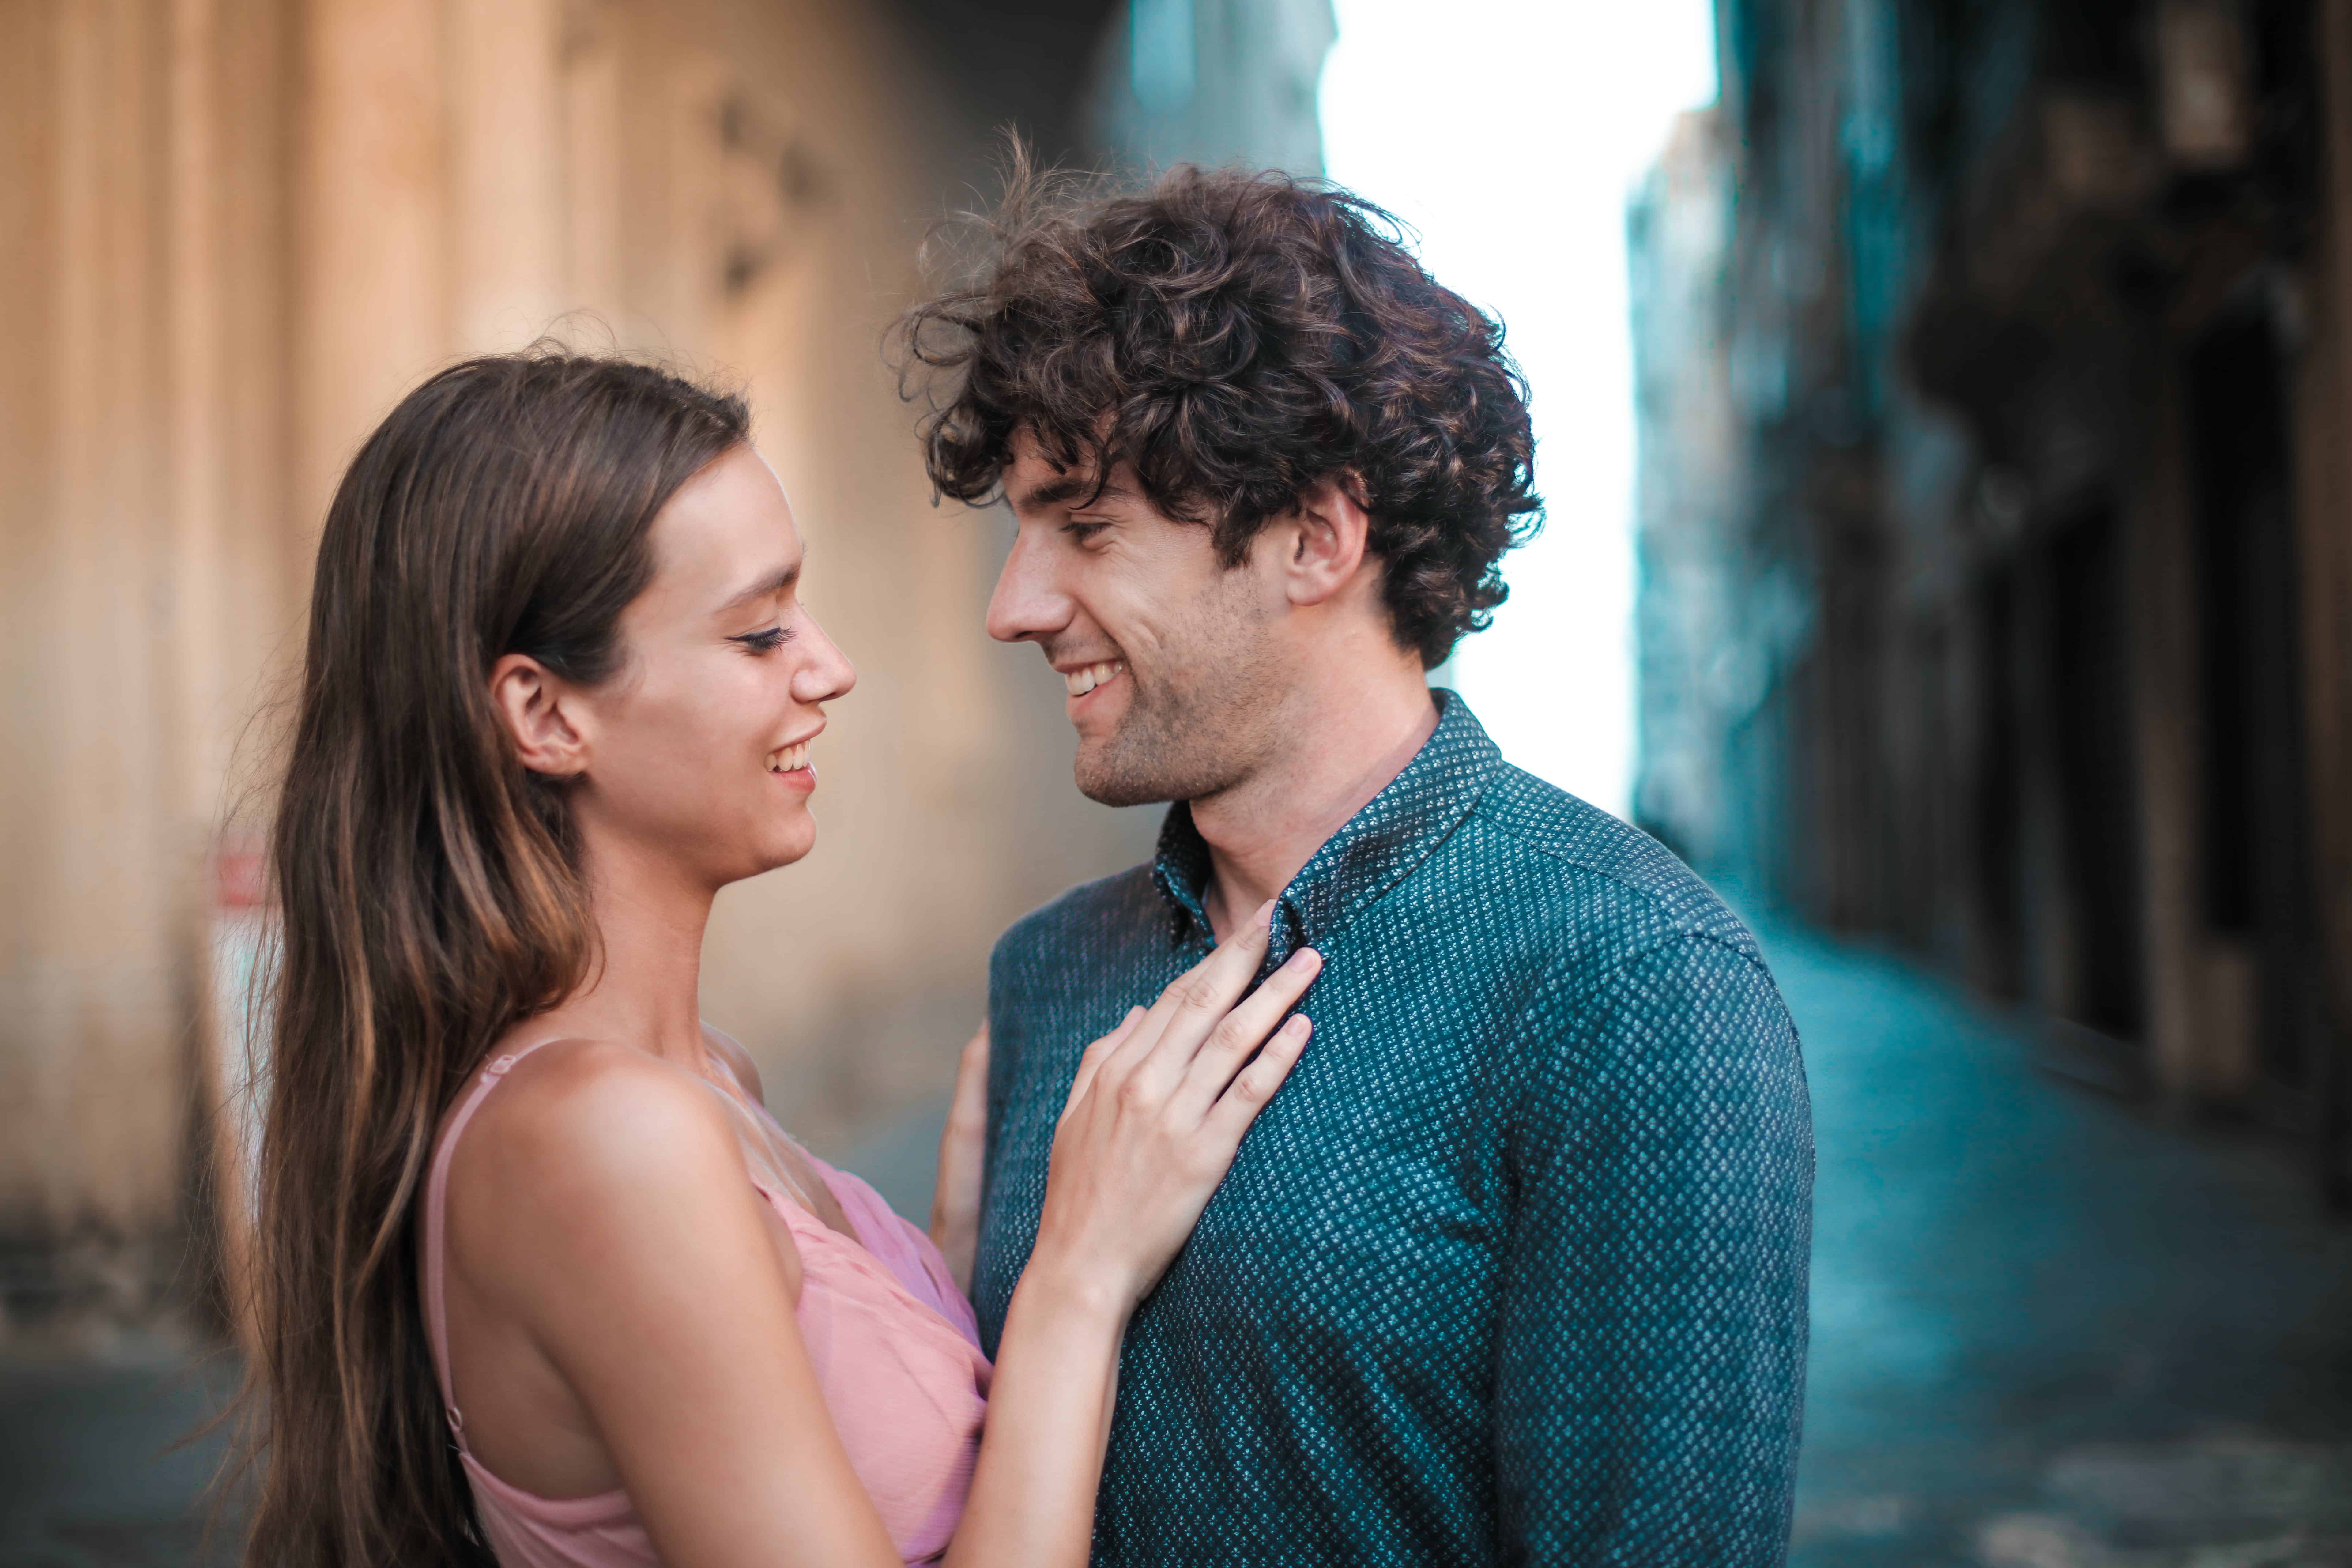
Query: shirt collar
1375, 849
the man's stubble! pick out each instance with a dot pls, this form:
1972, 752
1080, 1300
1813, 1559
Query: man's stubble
1202, 716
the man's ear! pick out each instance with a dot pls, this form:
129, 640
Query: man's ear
532, 704
1326, 539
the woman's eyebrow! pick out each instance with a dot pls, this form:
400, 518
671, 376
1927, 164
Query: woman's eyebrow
774, 582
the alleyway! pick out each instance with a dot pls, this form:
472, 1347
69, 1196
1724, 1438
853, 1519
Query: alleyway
2047, 1332
92, 1471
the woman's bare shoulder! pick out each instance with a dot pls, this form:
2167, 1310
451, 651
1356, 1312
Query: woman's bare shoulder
609, 1209
578, 1125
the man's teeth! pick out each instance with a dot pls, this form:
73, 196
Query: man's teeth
787, 759
1081, 681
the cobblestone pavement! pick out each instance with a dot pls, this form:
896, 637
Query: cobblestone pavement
2049, 1332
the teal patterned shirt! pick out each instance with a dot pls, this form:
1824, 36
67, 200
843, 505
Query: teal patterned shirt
1513, 1268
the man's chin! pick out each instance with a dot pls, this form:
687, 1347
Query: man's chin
1108, 787
1109, 778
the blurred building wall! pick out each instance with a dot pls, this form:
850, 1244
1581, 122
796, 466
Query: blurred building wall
232, 233
1212, 82
1995, 370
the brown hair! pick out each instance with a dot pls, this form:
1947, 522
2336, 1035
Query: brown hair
431, 891
1237, 338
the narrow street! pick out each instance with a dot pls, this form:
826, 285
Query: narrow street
100, 1464
2048, 1331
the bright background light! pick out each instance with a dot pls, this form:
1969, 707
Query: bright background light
1509, 133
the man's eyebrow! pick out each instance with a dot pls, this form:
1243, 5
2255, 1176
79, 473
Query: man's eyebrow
1069, 488
774, 582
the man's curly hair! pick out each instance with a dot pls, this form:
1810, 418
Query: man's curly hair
1236, 339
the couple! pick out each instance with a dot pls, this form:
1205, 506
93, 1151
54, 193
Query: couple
1499, 1259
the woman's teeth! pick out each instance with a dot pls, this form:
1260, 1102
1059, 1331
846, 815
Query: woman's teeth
788, 759
1081, 681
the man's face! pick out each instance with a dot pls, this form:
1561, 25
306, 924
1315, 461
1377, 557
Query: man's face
1172, 660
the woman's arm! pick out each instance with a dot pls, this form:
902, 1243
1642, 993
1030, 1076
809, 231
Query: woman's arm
607, 1211
1154, 1118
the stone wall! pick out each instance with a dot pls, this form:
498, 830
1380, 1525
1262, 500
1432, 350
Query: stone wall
231, 233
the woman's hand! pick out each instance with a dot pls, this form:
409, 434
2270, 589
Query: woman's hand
964, 1148
1156, 1113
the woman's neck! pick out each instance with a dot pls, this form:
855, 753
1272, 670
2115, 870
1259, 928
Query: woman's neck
646, 989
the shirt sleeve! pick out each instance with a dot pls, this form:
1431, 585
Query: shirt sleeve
1651, 1342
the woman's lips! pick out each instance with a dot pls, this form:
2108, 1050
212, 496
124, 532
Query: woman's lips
789, 765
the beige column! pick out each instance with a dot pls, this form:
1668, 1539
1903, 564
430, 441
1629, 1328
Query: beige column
30, 148
372, 253
505, 170
591, 99
196, 384
96, 911
686, 262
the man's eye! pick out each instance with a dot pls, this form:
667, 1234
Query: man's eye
766, 641
1084, 531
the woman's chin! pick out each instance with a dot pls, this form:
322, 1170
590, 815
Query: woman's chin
781, 849
764, 842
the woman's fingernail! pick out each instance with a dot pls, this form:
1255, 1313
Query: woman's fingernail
1299, 1027
1265, 915
1307, 958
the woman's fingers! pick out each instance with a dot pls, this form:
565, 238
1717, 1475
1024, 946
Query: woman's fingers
1227, 968
1138, 1150
1189, 1009
1247, 1094
1091, 1063
1244, 1029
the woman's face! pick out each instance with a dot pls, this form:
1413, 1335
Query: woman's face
698, 752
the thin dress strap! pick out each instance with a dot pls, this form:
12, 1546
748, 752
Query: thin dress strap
436, 1212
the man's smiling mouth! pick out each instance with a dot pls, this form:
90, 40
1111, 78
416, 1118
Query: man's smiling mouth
1086, 678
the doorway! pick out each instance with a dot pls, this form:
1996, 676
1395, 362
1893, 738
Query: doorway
2256, 841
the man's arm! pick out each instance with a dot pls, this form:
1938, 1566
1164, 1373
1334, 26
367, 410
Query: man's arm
1007, 1223
1650, 1364
963, 1136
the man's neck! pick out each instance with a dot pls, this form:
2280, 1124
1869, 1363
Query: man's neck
1340, 749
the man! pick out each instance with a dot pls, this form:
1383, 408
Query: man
1512, 1269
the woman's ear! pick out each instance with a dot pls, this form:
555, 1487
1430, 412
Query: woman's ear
1327, 547
531, 703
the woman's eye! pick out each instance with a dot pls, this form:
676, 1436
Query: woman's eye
766, 641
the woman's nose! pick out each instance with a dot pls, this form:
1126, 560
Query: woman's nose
827, 672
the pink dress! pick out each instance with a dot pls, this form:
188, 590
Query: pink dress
897, 1352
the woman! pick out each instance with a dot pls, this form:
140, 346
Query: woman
542, 1284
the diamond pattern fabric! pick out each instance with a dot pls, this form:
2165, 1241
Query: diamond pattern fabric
1512, 1269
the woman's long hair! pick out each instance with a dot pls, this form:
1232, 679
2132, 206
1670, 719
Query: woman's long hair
432, 893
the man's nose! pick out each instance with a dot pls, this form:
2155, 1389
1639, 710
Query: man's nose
1027, 606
